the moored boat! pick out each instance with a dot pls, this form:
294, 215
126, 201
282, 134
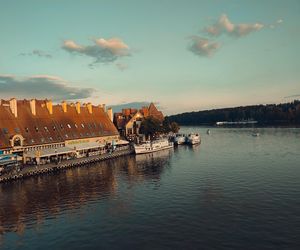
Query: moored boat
179, 139
152, 146
193, 139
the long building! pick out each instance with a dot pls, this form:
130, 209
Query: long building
34, 129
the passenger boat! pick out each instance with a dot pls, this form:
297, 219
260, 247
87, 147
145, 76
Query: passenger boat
152, 146
179, 139
193, 139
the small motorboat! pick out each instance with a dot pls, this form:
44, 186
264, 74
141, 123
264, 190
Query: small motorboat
193, 139
179, 139
208, 132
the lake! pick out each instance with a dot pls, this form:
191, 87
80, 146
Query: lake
234, 191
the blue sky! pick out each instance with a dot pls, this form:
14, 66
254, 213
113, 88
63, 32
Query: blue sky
185, 55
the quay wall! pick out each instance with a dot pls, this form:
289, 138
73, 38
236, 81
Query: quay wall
50, 168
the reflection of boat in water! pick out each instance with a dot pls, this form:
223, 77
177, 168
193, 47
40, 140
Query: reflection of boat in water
208, 132
159, 155
152, 146
255, 134
193, 139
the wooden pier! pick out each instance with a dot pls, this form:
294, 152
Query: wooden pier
52, 167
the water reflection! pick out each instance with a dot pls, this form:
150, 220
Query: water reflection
29, 202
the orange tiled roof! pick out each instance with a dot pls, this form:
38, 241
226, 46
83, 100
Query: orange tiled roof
47, 128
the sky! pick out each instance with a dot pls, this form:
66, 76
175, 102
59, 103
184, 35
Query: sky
184, 55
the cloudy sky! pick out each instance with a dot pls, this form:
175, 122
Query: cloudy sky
184, 55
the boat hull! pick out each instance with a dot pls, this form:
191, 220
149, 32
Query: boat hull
154, 146
143, 151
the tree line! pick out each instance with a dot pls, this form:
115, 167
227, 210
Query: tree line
270, 114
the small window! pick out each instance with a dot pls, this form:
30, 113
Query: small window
27, 130
61, 126
5, 130
69, 126
46, 129
75, 125
81, 135
82, 125
66, 135
32, 140
17, 130
36, 129
54, 128
42, 139
50, 138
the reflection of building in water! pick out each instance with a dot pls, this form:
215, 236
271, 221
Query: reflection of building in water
36, 198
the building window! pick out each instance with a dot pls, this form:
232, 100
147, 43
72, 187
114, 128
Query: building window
69, 126
46, 129
50, 138
17, 130
5, 130
75, 125
66, 135
36, 129
82, 125
61, 126
27, 130
54, 128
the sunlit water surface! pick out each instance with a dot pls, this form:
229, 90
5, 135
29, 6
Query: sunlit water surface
234, 191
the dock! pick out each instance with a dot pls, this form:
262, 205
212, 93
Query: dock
35, 170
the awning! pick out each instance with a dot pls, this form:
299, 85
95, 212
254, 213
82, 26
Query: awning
50, 152
122, 142
88, 145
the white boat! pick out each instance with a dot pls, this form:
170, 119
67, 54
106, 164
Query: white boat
179, 139
255, 134
193, 139
152, 146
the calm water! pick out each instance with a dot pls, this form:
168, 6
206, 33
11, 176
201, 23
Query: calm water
232, 191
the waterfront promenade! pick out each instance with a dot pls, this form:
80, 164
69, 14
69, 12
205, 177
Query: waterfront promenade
52, 167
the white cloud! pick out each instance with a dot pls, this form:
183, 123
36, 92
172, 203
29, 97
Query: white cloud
202, 46
102, 50
41, 86
225, 26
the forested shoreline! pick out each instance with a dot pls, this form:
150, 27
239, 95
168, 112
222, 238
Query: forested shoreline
269, 114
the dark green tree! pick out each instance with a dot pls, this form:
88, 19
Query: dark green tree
150, 126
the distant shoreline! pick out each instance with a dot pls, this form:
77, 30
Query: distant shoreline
270, 115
